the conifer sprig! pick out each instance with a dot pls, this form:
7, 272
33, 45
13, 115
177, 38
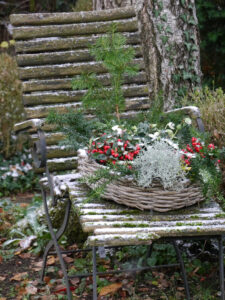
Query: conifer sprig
116, 57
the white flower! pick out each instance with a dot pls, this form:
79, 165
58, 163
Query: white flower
171, 143
117, 129
154, 136
187, 121
171, 125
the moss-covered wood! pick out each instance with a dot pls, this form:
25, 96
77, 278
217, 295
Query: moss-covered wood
66, 69
27, 32
65, 83
66, 43
75, 96
111, 224
72, 17
60, 57
60, 164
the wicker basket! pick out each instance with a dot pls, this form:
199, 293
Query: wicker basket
126, 192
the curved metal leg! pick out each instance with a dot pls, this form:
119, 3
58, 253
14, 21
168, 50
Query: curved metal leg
94, 273
180, 259
58, 236
221, 262
54, 239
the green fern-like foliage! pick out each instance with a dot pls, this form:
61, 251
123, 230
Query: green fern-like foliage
77, 129
116, 57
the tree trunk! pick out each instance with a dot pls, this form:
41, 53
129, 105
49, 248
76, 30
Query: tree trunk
108, 4
170, 42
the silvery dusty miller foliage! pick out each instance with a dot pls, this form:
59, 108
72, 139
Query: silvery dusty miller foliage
160, 161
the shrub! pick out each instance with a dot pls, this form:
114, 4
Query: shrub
212, 107
10, 100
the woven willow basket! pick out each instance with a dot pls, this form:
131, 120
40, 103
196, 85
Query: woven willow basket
126, 192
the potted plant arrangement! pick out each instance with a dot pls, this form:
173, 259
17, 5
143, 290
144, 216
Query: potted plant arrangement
141, 163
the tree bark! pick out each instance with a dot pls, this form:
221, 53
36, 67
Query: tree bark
109, 4
170, 42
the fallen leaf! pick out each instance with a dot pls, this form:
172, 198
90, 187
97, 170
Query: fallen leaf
24, 244
25, 255
3, 298
1, 211
38, 264
47, 279
51, 260
2, 279
19, 276
68, 259
62, 288
31, 290
110, 289
75, 281
60, 273
22, 291
1, 259
24, 204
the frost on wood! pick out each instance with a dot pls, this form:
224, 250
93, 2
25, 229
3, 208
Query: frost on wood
160, 161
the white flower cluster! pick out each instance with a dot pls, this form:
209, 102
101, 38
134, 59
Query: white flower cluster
162, 162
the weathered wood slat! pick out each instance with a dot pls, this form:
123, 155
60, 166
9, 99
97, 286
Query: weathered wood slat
27, 32
121, 240
92, 226
59, 151
72, 17
60, 164
66, 69
37, 98
72, 56
42, 111
65, 83
51, 138
165, 231
69, 43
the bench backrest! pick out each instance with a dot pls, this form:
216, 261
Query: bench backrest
52, 48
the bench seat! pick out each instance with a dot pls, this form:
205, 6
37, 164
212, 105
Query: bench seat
111, 224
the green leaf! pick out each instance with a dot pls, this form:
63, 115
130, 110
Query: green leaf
164, 18
164, 39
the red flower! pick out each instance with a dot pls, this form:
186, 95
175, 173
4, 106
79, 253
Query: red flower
211, 146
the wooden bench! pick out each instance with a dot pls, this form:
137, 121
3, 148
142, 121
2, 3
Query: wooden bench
51, 49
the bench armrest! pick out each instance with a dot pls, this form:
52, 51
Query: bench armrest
193, 112
25, 125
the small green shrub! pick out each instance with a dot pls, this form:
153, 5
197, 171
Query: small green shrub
11, 106
212, 106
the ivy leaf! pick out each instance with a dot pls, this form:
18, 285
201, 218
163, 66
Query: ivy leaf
188, 45
164, 18
168, 30
183, 2
194, 48
164, 39
187, 75
184, 17
192, 21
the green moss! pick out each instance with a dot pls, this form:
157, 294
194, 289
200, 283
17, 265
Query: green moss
130, 225
220, 215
